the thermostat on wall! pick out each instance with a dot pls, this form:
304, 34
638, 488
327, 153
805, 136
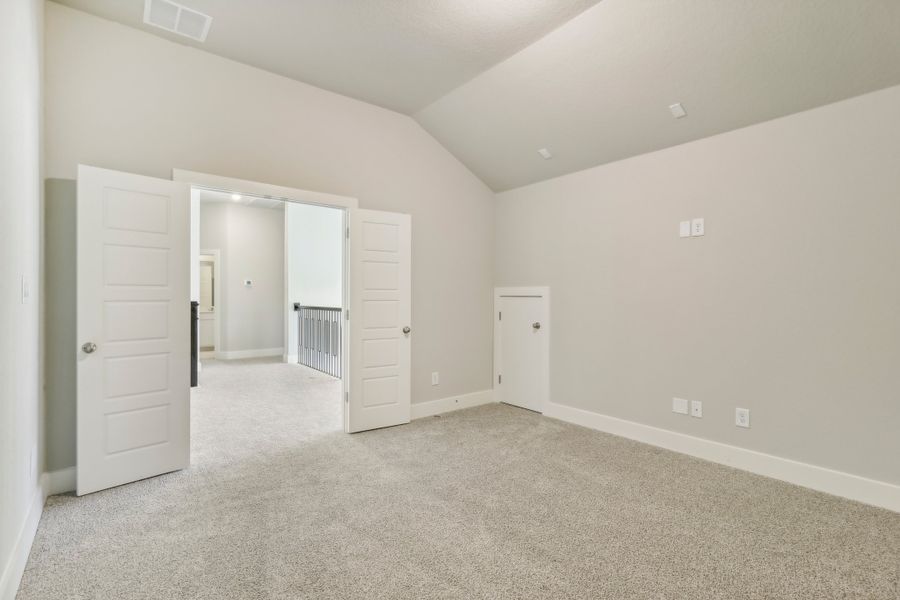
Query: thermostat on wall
248, 283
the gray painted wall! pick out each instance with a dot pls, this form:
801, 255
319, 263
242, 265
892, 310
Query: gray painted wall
251, 241
154, 105
789, 305
21, 407
61, 346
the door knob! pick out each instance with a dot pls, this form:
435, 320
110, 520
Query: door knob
406, 329
536, 325
89, 347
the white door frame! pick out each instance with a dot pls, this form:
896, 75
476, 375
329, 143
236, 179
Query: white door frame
269, 191
527, 292
217, 294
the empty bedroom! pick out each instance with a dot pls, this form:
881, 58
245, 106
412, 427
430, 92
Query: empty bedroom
458, 299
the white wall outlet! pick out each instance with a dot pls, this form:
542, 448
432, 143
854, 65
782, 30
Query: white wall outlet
696, 409
684, 229
742, 417
680, 406
697, 227
435, 378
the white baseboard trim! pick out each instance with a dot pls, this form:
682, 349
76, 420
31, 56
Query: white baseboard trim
869, 491
59, 482
290, 358
15, 566
442, 405
255, 353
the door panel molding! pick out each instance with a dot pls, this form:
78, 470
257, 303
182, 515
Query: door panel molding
380, 258
133, 328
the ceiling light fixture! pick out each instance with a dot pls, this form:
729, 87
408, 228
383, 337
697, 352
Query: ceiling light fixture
236, 197
545, 154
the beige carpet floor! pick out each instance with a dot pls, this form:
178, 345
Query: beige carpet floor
491, 502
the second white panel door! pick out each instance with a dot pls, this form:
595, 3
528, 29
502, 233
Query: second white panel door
380, 330
522, 350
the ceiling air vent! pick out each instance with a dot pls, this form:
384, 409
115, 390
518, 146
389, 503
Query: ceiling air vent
177, 19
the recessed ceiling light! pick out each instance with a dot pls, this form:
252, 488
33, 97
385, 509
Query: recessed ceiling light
677, 110
235, 197
545, 154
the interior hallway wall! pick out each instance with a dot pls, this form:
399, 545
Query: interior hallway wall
788, 306
251, 241
154, 105
21, 292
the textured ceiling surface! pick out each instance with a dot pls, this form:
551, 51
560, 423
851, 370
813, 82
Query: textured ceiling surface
496, 80
399, 54
598, 88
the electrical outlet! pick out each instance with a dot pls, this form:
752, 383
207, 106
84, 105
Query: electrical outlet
742, 417
435, 378
696, 409
680, 406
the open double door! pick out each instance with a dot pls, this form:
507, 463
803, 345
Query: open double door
133, 325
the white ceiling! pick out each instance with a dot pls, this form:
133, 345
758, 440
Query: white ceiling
496, 80
215, 197
598, 88
400, 54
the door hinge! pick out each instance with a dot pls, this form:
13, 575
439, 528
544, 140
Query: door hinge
348, 314
348, 233
347, 397
500, 316
499, 378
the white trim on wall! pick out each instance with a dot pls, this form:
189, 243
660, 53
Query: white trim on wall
218, 307
253, 353
443, 405
861, 489
266, 190
58, 482
18, 558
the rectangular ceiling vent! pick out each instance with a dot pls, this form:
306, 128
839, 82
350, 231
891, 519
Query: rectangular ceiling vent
177, 19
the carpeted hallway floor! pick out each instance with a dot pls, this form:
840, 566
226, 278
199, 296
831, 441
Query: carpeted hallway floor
491, 502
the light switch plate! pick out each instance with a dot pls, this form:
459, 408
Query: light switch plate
435, 378
697, 227
742, 417
696, 409
680, 406
684, 229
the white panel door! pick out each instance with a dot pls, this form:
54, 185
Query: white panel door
380, 287
522, 348
133, 323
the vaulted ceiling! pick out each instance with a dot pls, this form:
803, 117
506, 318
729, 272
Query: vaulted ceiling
400, 54
496, 80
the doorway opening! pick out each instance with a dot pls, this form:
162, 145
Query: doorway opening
138, 272
269, 282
